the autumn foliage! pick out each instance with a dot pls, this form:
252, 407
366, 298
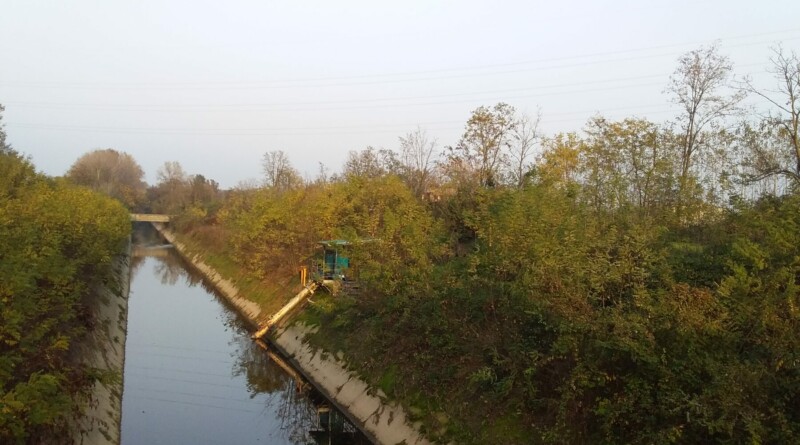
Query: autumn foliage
57, 242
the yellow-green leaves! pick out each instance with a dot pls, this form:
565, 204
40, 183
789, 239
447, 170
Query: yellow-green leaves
56, 239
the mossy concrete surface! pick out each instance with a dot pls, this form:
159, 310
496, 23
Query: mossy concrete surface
386, 422
104, 349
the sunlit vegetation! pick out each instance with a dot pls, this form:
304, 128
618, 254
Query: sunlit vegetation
57, 243
632, 282
112, 173
635, 282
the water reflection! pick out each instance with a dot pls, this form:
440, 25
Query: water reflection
192, 373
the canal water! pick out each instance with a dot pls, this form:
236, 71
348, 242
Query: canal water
192, 373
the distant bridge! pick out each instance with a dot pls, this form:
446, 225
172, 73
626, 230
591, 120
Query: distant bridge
149, 217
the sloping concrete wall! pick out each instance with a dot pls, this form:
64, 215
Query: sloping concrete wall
384, 422
105, 349
226, 288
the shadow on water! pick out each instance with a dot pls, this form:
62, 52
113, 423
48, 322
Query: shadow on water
176, 377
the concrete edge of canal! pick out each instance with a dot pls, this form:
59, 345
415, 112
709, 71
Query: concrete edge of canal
105, 350
382, 421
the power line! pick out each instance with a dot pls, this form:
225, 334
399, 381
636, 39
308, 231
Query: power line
188, 132
184, 357
173, 379
237, 131
292, 105
247, 401
297, 133
181, 348
310, 131
184, 402
361, 128
134, 107
460, 101
293, 83
180, 371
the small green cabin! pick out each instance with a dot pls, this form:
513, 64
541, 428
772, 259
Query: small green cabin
334, 264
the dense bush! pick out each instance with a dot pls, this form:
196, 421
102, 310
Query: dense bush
610, 295
57, 242
567, 328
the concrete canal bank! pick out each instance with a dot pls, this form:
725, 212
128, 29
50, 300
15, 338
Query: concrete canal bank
104, 349
381, 420
384, 421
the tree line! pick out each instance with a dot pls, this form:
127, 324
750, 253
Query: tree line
635, 282
57, 245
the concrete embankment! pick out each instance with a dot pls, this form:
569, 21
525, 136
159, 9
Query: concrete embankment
382, 421
105, 349
250, 310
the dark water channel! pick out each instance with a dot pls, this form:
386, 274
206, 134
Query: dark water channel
192, 374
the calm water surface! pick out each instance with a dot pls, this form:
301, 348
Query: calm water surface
192, 374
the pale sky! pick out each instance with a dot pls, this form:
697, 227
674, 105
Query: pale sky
215, 85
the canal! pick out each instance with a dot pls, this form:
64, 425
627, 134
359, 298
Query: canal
192, 373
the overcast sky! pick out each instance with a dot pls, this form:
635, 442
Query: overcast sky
215, 85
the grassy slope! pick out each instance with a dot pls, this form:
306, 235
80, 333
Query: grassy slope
428, 408
429, 373
270, 293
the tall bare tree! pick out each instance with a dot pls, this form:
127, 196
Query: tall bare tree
777, 151
524, 136
417, 155
171, 194
323, 175
278, 171
699, 86
371, 163
171, 171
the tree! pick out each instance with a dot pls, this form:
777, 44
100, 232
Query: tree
203, 191
559, 161
371, 163
15, 170
627, 164
697, 87
3, 147
416, 151
57, 244
777, 152
171, 172
171, 194
480, 150
114, 173
177, 191
401, 233
323, 175
278, 171
523, 139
